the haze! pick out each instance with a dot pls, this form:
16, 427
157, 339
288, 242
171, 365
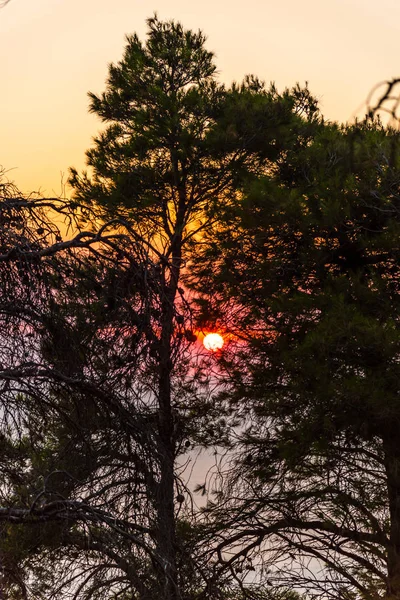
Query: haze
54, 51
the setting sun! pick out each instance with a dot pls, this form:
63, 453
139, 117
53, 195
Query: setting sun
213, 342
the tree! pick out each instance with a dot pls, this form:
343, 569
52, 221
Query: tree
130, 398
305, 277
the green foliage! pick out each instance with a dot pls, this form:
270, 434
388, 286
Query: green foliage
303, 273
157, 106
318, 256
176, 143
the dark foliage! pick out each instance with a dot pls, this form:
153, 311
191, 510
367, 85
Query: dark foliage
305, 277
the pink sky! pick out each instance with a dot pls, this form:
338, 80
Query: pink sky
54, 51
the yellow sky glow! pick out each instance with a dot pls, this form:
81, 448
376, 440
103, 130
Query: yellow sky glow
54, 51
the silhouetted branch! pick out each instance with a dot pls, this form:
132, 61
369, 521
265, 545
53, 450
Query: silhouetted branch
388, 102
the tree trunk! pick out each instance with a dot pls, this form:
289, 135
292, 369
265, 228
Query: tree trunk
166, 546
165, 501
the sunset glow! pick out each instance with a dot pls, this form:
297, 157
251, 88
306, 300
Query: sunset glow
213, 342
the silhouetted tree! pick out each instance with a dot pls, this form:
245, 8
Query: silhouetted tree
305, 277
99, 360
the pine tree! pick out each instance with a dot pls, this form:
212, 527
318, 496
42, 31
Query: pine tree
176, 145
308, 264
114, 336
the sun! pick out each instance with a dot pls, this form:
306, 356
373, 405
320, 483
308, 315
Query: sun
213, 342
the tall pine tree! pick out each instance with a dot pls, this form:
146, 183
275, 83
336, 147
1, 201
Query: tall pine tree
305, 276
113, 338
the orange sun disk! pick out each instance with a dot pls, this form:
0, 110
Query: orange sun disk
213, 342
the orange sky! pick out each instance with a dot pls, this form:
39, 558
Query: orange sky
54, 51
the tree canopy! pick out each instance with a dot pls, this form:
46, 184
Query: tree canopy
308, 262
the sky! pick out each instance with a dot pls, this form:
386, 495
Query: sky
54, 51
